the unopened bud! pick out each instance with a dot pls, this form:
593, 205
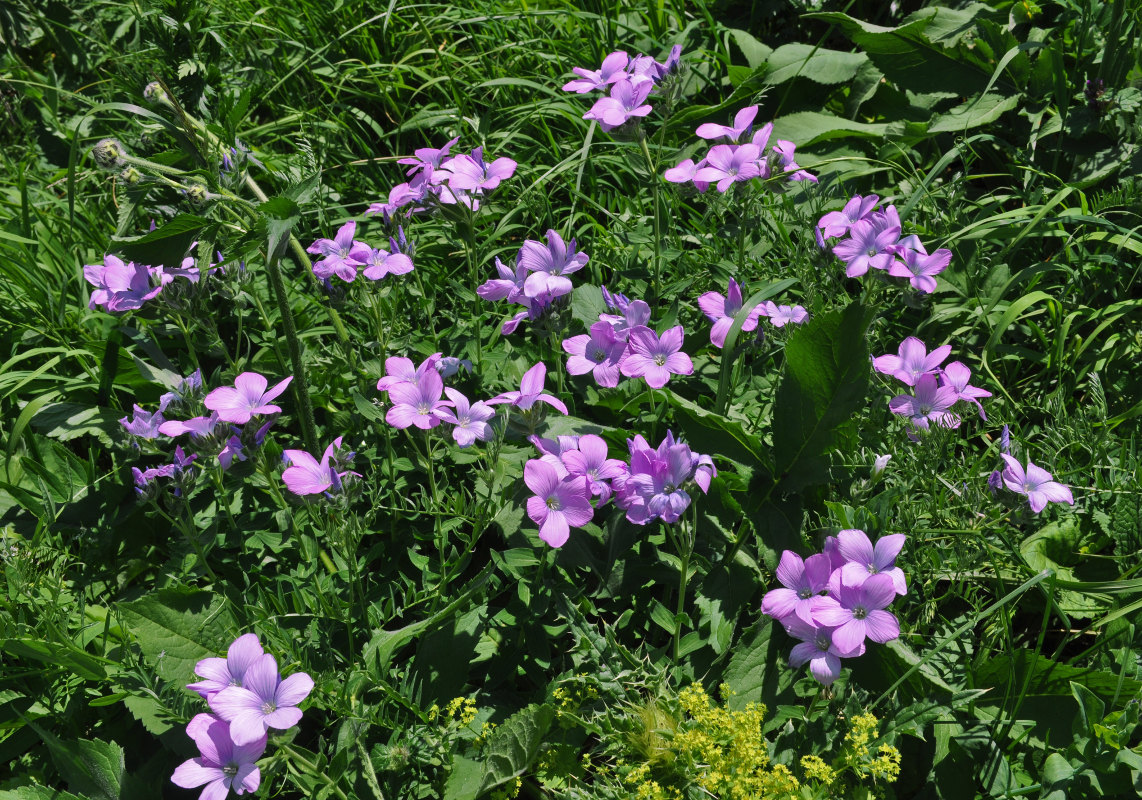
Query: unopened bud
154, 92
130, 176
197, 194
108, 154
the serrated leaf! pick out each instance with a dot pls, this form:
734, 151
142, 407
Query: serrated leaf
973, 113
176, 628
513, 746
587, 304
755, 673
91, 767
37, 793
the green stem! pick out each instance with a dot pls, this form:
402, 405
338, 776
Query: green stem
685, 543
652, 172
300, 383
312, 769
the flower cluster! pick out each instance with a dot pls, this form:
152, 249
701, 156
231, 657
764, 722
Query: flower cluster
436, 178
656, 479
247, 696
211, 435
874, 241
415, 392
623, 344
720, 309
748, 156
343, 255
539, 277
628, 81
936, 389
125, 287
835, 600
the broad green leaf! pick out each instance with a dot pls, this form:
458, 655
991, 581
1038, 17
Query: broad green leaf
67, 421
91, 767
807, 127
754, 51
37, 793
464, 780
757, 672
513, 746
587, 304
825, 382
1056, 777
815, 63
981, 110
176, 628
54, 654
1046, 676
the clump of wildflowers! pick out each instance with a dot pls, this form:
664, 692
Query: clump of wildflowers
1035, 483
247, 397
935, 390
305, 475
657, 479
836, 600
247, 696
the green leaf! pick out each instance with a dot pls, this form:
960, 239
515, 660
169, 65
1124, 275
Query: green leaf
815, 63
67, 421
90, 767
1056, 777
587, 304
513, 746
181, 225
1092, 710
37, 793
754, 51
281, 214
825, 382
756, 672
1046, 676
806, 127
55, 654
464, 780
176, 628
981, 110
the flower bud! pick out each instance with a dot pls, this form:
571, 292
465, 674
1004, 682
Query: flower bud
153, 92
197, 194
108, 154
131, 176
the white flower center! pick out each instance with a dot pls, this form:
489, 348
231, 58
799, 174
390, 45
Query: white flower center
553, 503
660, 360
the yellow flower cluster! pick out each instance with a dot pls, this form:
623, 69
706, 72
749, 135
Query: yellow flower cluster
579, 691
722, 750
858, 754
509, 790
463, 709
817, 770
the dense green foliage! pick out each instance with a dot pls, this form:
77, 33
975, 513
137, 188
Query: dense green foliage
1008, 133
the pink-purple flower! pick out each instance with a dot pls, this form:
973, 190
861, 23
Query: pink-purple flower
626, 101
1035, 483
931, 403
530, 392
222, 763
340, 255
780, 316
417, 402
469, 420
263, 701
857, 612
559, 503
729, 164
221, 673
247, 397
721, 310
870, 245
743, 121
912, 361
837, 223
613, 69
119, 286
802, 584
305, 475
655, 358
598, 352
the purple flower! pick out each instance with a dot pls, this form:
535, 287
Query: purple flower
143, 423
656, 359
728, 164
802, 584
912, 362
837, 223
197, 427
919, 267
598, 352
743, 120
869, 244
144, 479
857, 613
646, 68
119, 286
626, 101
783, 155
957, 376
263, 701
220, 673
306, 476
340, 255
635, 313
558, 505
930, 404
188, 388
864, 560
222, 764
418, 402
1036, 483
530, 392
230, 451
590, 461
816, 649
470, 419
653, 486
686, 172
451, 365
470, 173
246, 398
613, 69
427, 159
401, 195
721, 310
381, 263
186, 270
780, 316
509, 286
548, 264
401, 370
